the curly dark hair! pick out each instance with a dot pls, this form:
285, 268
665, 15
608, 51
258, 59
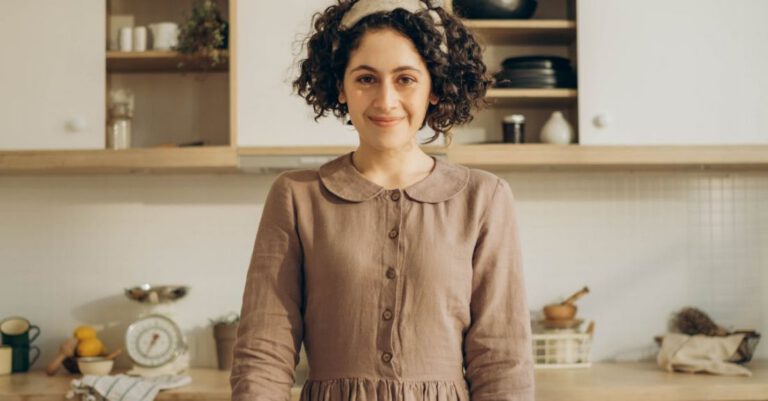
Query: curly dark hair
459, 78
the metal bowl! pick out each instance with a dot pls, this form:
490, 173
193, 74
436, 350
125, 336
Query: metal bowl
495, 9
155, 294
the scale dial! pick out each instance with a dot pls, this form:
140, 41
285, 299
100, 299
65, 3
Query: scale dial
153, 341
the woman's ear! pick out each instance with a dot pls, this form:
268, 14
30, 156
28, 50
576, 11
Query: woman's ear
433, 99
342, 97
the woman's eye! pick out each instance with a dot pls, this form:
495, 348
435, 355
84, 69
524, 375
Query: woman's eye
408, 80
365, 79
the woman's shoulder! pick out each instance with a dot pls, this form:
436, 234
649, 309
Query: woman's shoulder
483, 182
296, 179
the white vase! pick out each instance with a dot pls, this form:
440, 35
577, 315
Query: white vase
557, 130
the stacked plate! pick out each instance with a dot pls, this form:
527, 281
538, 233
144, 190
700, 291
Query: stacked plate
535, 72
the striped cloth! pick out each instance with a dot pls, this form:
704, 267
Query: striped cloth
123, 387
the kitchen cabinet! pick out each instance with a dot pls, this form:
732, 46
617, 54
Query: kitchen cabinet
53, 75
269, 40
672, 72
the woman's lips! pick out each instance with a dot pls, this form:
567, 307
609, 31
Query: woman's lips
385, 122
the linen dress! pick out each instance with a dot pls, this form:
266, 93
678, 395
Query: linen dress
398, 294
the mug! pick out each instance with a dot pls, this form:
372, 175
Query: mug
20, 360
16, 331
165, 35
139, 39
125, 39
6, 356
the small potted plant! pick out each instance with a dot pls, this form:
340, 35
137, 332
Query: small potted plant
225, 333
205, 33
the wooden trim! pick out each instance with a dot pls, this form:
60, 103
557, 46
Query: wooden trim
531, 31
177, 160
511, 156
160, 61
531, 97
233, 24
224, 159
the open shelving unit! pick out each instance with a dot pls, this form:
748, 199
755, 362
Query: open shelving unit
179, 98
551, 31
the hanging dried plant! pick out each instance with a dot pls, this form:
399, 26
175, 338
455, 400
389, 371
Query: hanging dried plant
693, 321
204, 33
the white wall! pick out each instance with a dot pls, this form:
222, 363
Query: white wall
646, 243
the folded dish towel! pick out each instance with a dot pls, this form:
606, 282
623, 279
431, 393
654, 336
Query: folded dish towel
700, 353
123, 387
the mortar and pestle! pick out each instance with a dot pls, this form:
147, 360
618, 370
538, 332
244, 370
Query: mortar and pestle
564, 313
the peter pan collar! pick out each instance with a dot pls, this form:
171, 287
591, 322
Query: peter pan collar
341, 177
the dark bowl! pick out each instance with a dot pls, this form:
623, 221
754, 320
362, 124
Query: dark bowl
70, 364
495, 9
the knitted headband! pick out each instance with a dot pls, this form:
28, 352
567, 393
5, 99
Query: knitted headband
364, 8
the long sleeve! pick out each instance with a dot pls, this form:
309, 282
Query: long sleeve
269, 337
497, 345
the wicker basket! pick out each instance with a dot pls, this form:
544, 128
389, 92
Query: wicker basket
562, 350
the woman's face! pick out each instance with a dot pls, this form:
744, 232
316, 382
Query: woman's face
387, 89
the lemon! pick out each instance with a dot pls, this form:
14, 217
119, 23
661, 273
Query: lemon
85, 332
90, 347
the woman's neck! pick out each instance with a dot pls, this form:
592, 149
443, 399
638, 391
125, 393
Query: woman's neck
395, 168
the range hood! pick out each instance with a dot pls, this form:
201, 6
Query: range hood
278, 163
262, 163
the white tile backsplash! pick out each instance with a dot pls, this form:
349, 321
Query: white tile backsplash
646, 243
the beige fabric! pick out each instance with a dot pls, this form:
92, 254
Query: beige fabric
363, 8
430, 275
700, 353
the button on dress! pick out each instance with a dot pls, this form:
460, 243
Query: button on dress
413, 294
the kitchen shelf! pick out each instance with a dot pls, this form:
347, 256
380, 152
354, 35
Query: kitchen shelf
515, 32
532, 97
137, 160
538, 156
510, 157
161, 61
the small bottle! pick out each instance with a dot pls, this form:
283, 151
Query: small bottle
513, 127
119, 131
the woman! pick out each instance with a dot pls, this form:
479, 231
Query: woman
400, 272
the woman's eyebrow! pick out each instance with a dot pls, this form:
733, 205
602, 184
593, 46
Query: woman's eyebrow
398, 69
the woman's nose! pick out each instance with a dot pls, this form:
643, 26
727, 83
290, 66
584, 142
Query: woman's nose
386, 97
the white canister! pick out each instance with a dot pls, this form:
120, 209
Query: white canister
557, 130
165, 35
126, 39
139, 39
6, 355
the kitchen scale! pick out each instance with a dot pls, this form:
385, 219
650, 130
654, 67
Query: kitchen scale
154, 342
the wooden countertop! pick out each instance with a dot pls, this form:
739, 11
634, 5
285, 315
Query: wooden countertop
603, 381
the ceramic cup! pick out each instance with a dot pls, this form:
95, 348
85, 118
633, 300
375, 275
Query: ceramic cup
21, 362
6, 357
16, 331
125, 39
165, 35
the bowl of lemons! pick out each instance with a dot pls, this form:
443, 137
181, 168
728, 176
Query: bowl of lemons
90, 356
